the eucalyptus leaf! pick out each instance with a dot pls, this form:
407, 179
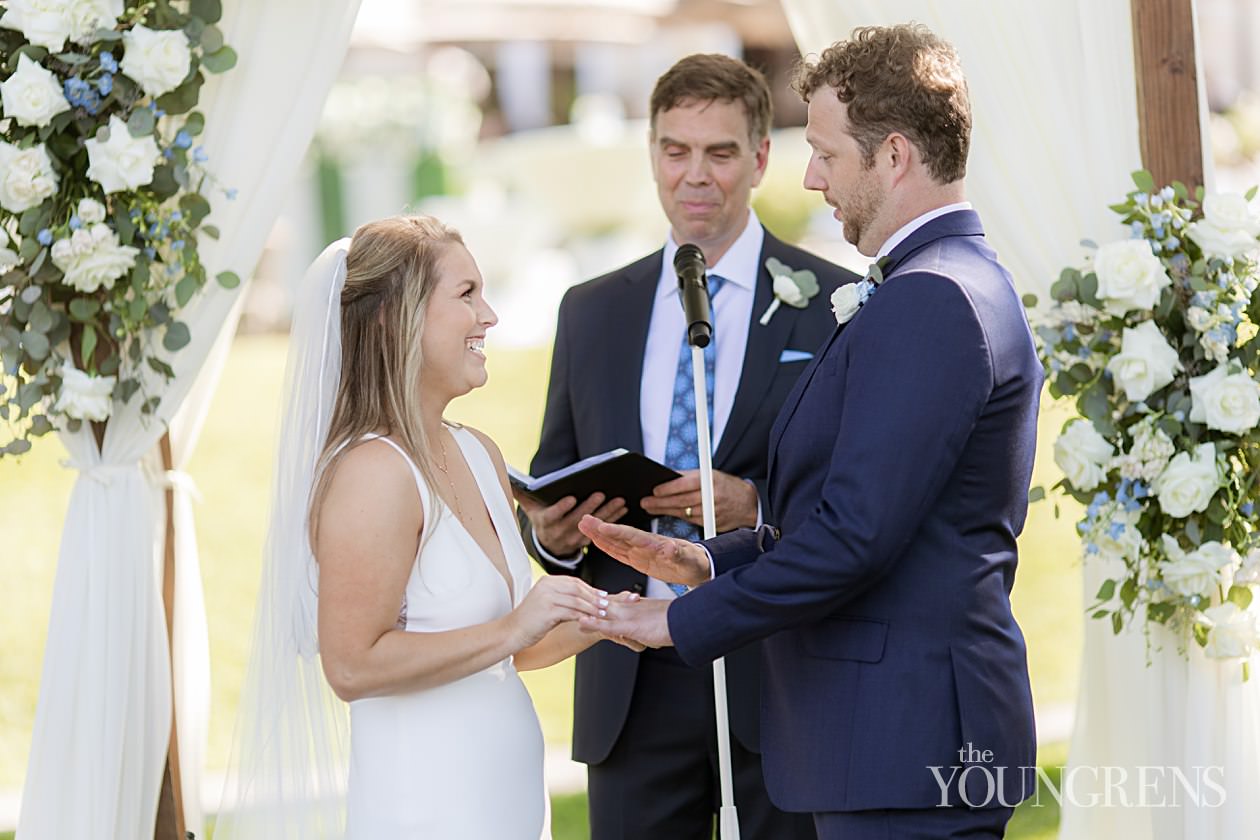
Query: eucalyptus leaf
1036, 494
1029, 300
177, 336
88, 345
41, 317
127, 388
141, 122
1144, 181
1106, 592
228, 279
185, 289
1240, 595
210, 11
220, 61
40, 425
211, 39
35, 344
160, 367
196, 208
195, 124
83, 309
31, 294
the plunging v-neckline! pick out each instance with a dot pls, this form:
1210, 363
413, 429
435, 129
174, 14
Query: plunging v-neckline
506, 572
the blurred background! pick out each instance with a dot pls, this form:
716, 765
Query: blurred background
523, 124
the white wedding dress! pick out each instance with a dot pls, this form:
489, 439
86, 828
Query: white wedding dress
462, 761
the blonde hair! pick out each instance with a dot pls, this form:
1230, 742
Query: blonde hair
391, 271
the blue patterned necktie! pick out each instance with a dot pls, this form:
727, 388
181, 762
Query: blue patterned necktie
682, 450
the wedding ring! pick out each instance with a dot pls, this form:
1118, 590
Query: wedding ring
688, 511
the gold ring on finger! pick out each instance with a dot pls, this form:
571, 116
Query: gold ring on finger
688, 511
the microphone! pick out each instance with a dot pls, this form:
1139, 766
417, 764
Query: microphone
689, 266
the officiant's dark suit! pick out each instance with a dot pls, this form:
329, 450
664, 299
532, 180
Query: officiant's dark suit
643, 723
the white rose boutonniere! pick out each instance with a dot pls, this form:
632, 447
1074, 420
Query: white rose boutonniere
1228, 402
122, 162
1130, 276
848, 299
32, 95
795, 288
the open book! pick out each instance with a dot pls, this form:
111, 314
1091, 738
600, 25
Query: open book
617, 473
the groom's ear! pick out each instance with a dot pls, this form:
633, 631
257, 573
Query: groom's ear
897, 155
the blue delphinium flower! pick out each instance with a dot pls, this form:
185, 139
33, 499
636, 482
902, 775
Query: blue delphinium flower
183, 140
108, 63
75, 223
231, 194
44, 237
105, 84
199, 155
1247, 508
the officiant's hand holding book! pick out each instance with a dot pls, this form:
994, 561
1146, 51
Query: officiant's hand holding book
609, 485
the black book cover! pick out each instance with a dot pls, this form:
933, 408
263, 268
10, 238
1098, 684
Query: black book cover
619, 473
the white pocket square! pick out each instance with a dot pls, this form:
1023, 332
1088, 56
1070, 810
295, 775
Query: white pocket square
794, 356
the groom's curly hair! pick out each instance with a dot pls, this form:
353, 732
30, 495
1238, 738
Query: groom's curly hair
898, 79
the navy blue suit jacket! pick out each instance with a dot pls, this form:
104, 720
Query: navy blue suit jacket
899, 472
593, 406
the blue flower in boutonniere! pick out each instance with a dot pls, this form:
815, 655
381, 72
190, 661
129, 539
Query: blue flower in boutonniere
795, 288
848, 299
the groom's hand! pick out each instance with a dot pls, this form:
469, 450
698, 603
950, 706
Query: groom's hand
664, 558
644, 621
556, 526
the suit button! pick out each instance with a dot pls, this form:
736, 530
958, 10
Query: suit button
638, 587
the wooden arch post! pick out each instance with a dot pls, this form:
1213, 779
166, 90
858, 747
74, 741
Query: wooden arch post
1165, 58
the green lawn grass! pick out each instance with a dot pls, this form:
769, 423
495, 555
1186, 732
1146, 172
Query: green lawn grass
232, 468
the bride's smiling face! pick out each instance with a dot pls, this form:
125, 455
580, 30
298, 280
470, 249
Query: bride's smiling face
455, 323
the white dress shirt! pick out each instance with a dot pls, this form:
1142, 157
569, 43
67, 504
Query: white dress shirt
731, 312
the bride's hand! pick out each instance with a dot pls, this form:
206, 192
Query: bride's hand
624, 641
553, 600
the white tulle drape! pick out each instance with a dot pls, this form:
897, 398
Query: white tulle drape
103, 719
1055, 138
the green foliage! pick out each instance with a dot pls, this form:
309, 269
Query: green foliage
58, 309
1205, 305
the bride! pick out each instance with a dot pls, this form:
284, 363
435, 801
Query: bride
394, 564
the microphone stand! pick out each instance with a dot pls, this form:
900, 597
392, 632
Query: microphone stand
728, 816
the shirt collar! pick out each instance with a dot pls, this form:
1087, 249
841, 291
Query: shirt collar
914, 224
739, 265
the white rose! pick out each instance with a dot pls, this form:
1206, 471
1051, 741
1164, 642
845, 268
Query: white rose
157, 59
26, 177
1234, 632
8, 261
1196, 572
87, 16
1228, 402
786, 289
1081, 453
98, 265
1228, 228
84, 397
45, 23
32, 95
1199, 318
1145, 362
122, 162
846, 300
1130, 276
91, 211
1249, 572
1187, 484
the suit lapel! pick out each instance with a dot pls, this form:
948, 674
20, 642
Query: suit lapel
761, 355
636, 292
957, 223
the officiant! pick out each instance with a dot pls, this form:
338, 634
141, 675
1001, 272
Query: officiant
621, 376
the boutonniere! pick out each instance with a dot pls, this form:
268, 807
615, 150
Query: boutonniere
795, 288
848, 299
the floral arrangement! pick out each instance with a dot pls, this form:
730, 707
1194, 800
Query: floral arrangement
102, 200
795, 288
1157, 343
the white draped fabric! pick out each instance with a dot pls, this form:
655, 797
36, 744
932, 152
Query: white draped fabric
1055, 137
103, 719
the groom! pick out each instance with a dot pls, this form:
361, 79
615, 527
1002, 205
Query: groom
895, 696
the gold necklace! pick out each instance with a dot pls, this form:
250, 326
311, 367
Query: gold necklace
459, 511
